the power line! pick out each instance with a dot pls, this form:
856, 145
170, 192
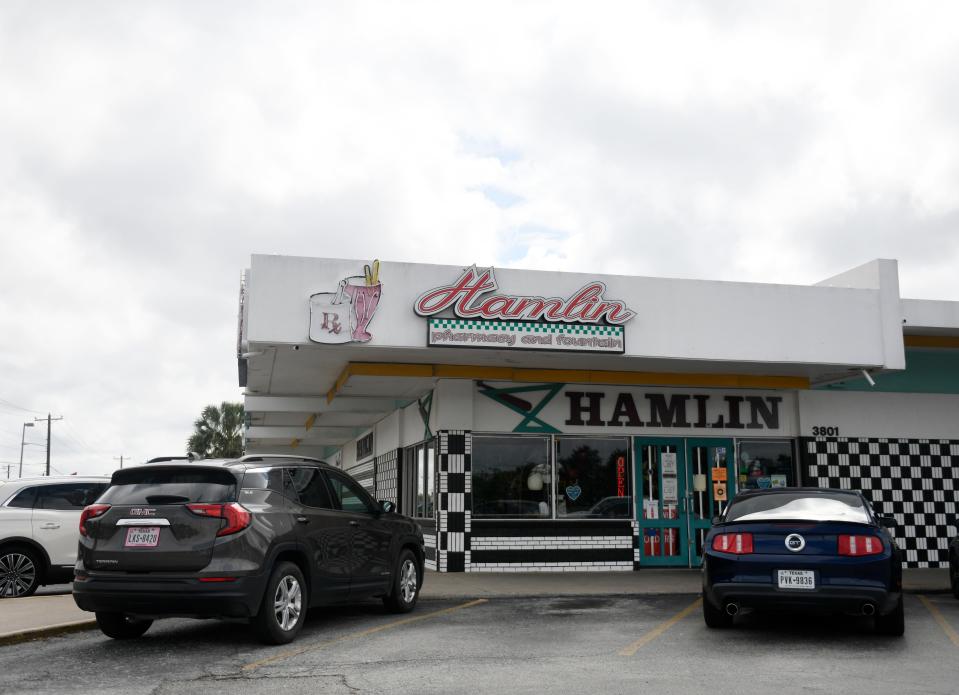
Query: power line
75, 435
19, 407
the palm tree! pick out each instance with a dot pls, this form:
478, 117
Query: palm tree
217, 433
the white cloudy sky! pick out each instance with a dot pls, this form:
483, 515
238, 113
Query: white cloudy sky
147, 149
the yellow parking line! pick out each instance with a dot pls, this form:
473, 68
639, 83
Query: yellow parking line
362, 633
946, 627
659, 629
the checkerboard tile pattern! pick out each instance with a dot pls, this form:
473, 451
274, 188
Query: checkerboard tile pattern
364, 472
455, 500
386, 472
915, 480
528, 327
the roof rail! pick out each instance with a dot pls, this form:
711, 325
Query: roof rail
267, 457
191, 456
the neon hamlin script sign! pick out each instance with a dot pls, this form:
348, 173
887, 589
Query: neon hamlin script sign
469, 297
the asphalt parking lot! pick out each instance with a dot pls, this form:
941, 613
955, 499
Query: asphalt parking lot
504, 645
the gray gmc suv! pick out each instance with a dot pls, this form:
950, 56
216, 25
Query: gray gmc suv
262, 538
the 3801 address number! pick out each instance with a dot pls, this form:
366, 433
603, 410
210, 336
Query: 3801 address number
821, 431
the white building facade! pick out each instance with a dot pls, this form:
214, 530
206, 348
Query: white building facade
545, 421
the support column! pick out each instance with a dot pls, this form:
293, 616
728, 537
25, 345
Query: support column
455, 500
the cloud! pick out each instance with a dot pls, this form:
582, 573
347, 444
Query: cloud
148, 151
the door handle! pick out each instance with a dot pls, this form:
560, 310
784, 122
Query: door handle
303, 519
49, 524
354, 523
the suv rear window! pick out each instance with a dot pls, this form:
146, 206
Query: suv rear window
151, 485
799, 506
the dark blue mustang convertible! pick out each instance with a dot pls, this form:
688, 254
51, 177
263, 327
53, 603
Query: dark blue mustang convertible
803, 549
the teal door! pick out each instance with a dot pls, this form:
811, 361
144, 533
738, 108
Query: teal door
710, 486
661, 480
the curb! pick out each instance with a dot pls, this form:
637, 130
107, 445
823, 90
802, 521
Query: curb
36, 633
925, 590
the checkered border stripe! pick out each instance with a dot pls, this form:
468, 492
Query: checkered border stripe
386, 472
915, 480
454, 486
529, 327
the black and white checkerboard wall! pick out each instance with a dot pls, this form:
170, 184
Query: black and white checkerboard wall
386, 473
364, 472
916, 480
455, 500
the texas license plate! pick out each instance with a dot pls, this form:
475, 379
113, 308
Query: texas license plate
797, 579
142, 537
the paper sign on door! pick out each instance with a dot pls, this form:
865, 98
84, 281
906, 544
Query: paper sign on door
669, 463
670, 491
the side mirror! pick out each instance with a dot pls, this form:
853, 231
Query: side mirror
717, 520
387, 506
887, 521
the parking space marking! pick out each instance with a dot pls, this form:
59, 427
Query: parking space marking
939, 618
631, 649
362, 633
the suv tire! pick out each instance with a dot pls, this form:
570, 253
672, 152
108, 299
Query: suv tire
406, 584
20, 571
120, 626
283, 609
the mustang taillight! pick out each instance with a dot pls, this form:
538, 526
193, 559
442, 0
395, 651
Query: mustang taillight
237, 518
91, 511
735, 543
857, 546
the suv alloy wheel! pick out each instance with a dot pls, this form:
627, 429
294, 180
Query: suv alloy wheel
19, 572
283, 610
406, 584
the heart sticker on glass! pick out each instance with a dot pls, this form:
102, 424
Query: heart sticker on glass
573, 492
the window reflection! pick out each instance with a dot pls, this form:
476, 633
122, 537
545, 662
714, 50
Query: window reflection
511, 477
592, 477
765, 464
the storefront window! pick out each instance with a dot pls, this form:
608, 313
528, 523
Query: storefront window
765, 464
592, 478
511, 477
419, 486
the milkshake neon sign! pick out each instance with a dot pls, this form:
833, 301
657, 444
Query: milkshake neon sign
469, 297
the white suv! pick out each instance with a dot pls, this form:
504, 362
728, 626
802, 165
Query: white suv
39, 529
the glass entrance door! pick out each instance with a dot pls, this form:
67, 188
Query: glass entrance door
681, 484
711, 466
661, 502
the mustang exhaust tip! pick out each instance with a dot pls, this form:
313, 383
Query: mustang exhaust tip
732, 608
868, 609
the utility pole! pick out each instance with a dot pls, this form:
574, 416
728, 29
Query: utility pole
49, 420
120, 459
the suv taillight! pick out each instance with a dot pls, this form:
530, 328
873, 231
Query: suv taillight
91, 511
856, 546
735, 543
237, 518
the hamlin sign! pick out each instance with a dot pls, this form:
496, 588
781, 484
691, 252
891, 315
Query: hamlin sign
583, 322
587, 409
469, 298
